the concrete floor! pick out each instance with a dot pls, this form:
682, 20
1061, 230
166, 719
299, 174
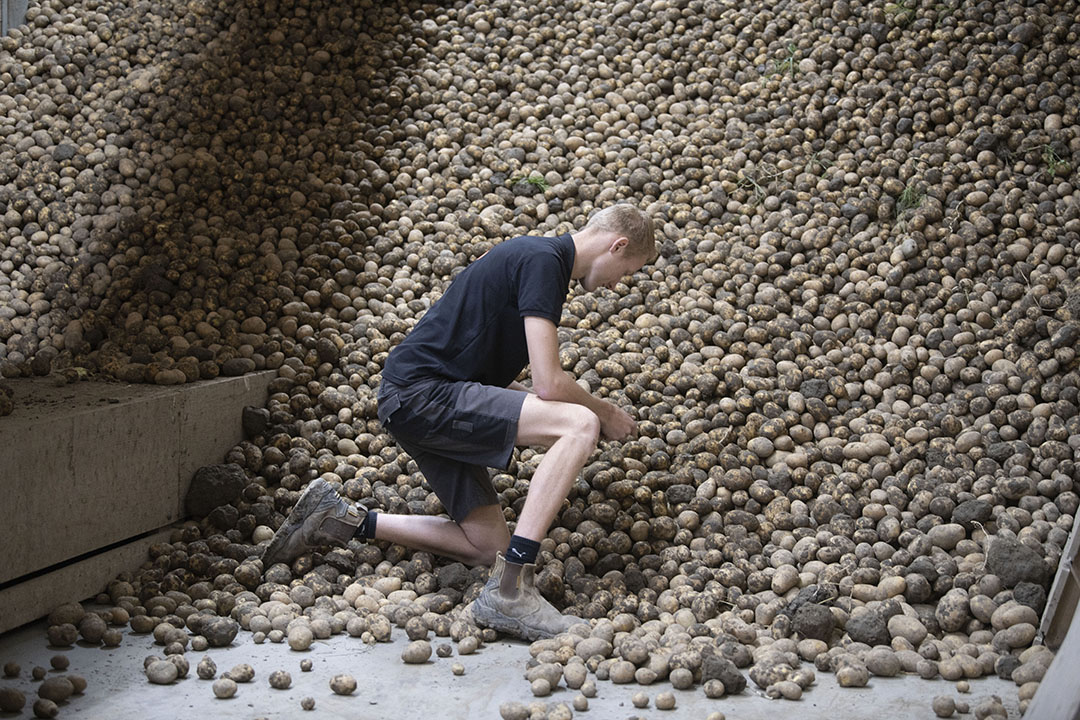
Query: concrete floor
390, 690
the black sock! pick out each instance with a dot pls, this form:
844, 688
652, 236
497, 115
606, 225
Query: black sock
522, 551
366, 529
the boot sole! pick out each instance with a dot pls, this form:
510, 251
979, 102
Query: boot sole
488, 617
309, 499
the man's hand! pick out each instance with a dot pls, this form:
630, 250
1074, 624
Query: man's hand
551, 382
619, 425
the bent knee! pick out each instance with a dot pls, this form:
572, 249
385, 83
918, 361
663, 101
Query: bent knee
584, 424
487, 535
482, 556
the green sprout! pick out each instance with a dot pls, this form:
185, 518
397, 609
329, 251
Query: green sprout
902, 11
537, 180
758, 185
943, 13
788, 63
1053, 160
1048, 154
749, 183
815, 159
911, 197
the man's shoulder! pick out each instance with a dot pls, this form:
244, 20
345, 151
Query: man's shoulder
557, 245
540, 240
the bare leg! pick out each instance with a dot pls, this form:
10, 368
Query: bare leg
478, 538
570, 432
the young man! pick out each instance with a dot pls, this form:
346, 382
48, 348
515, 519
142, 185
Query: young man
449, 398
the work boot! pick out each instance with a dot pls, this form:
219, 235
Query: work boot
320, 517
528, 616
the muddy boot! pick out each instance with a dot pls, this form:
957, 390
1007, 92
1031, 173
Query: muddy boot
528, 616
320, 517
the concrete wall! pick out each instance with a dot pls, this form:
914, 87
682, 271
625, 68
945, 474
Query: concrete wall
12, 14
93, 465
1058, 696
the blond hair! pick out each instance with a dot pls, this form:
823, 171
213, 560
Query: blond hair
625, 219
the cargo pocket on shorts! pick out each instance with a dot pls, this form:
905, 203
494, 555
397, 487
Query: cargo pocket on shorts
387, 407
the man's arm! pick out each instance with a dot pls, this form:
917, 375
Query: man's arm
515, 385
551, 382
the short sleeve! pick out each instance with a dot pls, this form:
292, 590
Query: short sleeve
542, 284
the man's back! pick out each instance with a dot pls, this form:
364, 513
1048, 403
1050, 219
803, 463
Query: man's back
476, 330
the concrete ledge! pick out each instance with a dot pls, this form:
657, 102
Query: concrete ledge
1058, 696
92, 464
1064, 593
26, 601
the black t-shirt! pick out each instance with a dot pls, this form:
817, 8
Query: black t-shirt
476, 330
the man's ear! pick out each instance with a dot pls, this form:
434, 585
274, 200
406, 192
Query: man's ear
618, 245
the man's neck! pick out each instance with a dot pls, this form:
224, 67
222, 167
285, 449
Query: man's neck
588, 245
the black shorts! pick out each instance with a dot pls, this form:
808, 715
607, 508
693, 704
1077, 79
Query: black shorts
454, 431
